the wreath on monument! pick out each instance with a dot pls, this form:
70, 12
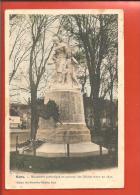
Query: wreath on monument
51, 110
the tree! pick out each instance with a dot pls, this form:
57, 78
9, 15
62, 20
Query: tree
39, 57
19, 44
82, 74
97, 35
113, 77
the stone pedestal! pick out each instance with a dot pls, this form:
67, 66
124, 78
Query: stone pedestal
73, 128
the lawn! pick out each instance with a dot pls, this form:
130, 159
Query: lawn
60, 164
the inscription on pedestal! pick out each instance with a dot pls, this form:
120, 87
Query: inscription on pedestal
70, 105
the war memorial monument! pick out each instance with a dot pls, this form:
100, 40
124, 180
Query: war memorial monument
72, 134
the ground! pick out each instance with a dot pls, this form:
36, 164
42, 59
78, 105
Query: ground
61, 164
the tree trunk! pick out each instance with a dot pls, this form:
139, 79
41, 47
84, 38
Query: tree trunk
96, 115
34, 115
96, 105
111, 109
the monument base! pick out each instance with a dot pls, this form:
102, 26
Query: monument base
65, 133
72, 133
75, 150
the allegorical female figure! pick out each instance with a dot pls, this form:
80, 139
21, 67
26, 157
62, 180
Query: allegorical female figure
65, 64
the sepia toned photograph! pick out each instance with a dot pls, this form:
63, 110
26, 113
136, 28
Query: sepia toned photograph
64, 83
